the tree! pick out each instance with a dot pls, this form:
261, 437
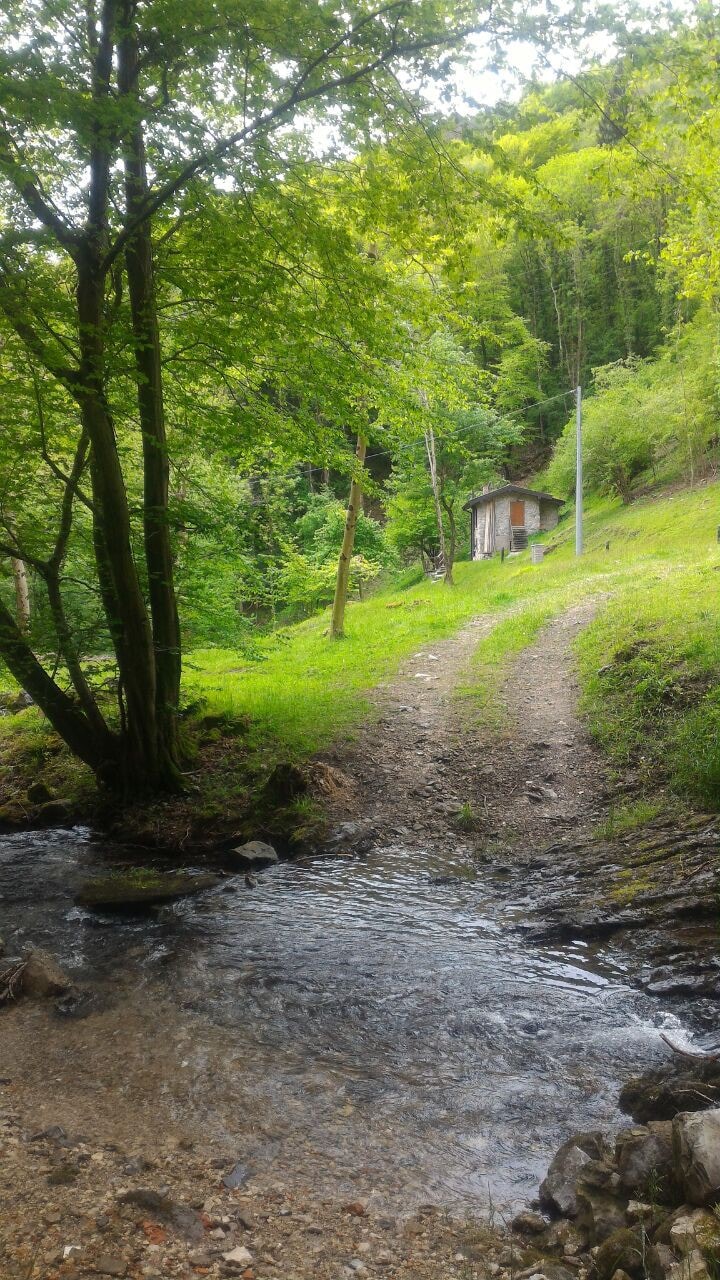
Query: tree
112, 112
337, 621
469, 448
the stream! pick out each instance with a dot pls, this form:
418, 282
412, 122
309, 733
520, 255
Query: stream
347, 1017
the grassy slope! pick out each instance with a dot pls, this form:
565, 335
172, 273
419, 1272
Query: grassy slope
308, 689
660, 569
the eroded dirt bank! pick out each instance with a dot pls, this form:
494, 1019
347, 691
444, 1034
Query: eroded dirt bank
371, 1028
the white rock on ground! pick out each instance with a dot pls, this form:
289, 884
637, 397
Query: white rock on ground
240, 1257
256, 853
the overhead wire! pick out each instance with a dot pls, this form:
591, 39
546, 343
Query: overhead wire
410, 445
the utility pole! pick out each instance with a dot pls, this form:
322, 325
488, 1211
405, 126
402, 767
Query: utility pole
578, 474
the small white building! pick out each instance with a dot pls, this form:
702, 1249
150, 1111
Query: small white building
502, 519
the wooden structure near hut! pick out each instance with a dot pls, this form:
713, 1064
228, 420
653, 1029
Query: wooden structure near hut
502, 519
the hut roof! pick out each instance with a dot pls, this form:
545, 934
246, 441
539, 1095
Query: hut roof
511, 490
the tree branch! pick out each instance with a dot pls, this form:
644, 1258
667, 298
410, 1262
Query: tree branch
71, 481
299, 96
14, 312
28, 187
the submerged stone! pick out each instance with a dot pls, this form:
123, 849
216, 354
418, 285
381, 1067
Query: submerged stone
42, 976
133, 890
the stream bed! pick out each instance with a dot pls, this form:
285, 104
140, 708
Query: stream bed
348, 1020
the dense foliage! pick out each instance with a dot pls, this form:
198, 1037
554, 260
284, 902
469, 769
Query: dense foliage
234, 244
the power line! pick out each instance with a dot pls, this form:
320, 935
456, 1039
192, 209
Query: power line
410, 445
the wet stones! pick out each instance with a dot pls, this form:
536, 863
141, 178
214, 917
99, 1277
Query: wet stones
662, 1094
42, 976
558, 1190
141, 888
696, 1143
621, 1201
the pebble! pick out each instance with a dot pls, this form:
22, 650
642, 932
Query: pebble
109, 1265
356, 1207
239, 1257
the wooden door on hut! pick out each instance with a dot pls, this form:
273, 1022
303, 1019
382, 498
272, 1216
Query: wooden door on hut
517, 514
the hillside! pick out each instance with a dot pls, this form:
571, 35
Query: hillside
654, 705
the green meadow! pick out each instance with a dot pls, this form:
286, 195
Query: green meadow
654, 565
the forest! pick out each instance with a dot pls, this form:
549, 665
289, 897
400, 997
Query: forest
216, 321
359, 643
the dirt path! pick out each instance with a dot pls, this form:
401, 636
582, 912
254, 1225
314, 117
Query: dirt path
423, 770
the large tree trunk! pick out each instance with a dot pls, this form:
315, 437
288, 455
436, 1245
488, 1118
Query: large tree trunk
158, 549
337, 624
142, 760
123, 597
64, 715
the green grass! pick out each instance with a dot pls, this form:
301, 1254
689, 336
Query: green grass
662, 707
495, 653
623, 818
650, 670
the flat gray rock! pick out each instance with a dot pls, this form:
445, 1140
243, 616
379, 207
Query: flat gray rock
256, 853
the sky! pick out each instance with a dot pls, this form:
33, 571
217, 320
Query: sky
477, 86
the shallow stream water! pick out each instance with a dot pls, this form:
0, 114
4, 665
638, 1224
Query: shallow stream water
386, 1031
